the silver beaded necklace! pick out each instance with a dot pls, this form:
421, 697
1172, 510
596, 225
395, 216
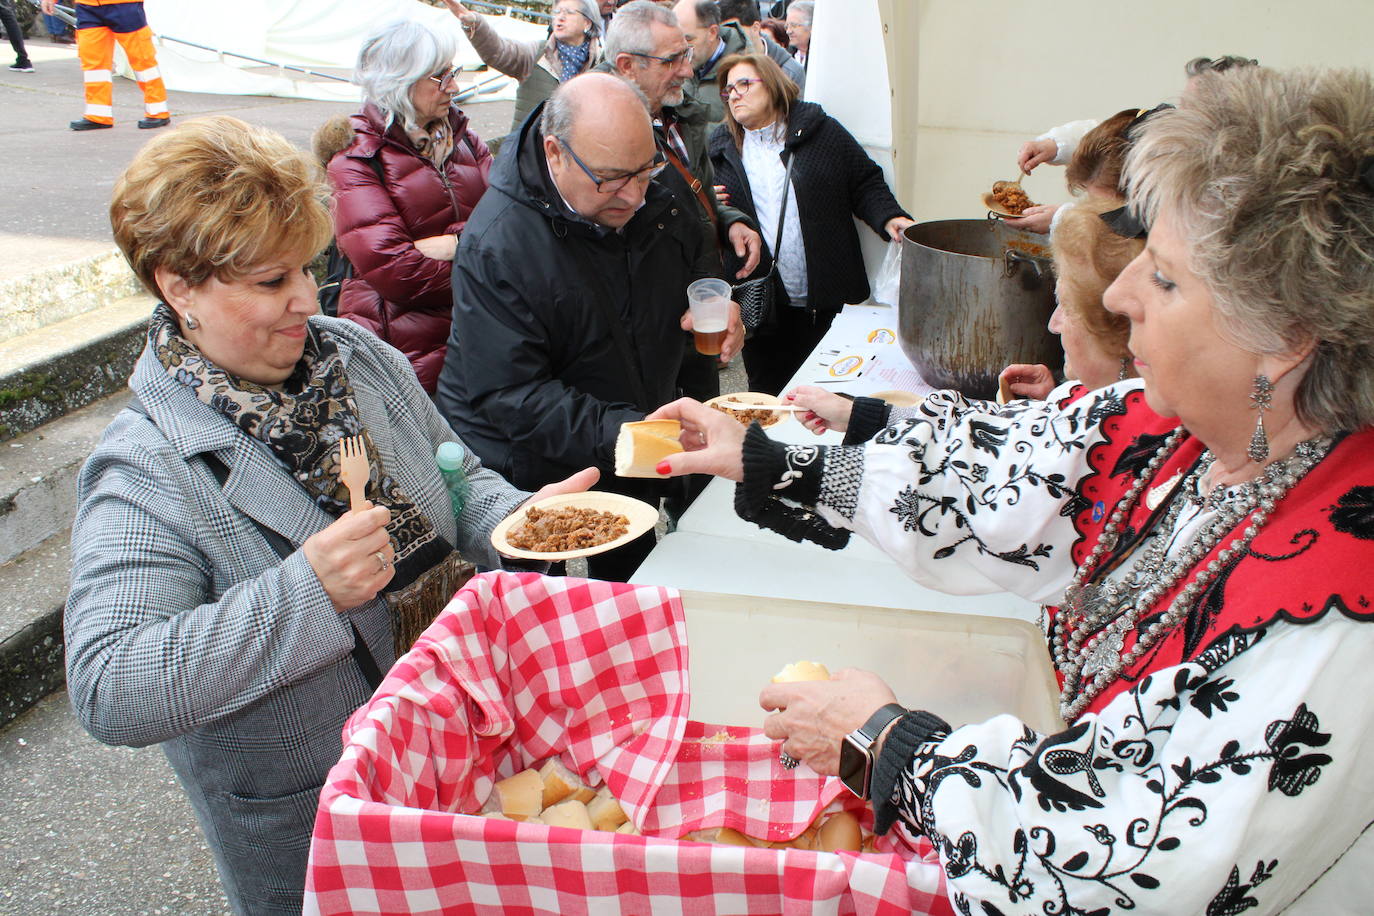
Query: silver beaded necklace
1103, 613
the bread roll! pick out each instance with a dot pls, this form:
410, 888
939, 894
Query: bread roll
628, 828
1004, 391
606, 813
568, 814
802, 671
561, 783
518, 796
642, 445
726, 835
840, 831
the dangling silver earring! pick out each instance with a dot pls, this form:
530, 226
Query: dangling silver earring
1125, 364
1262, 399
191, 323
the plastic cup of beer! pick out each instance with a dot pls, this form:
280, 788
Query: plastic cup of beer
709, 302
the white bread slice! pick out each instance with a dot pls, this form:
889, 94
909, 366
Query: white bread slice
840, 831
606, 813
518, 796
568, 814
560, 783
802, 671
640, 446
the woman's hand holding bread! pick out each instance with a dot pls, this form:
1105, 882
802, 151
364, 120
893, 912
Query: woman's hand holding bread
813, 717
712, 441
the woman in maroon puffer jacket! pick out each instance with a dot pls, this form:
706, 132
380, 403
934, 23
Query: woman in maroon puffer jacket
403, 189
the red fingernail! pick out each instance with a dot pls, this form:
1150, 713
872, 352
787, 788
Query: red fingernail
663, 468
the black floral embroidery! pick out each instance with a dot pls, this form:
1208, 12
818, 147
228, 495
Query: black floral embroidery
1233, 898
987, 436
1293, 770
1354, 513
1138, 454
1060, 772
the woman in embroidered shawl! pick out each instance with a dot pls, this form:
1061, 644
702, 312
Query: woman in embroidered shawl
225, 601
1206, 532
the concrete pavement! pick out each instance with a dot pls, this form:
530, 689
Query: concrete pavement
85, 828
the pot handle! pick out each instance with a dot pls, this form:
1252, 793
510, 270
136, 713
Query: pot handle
1013, 257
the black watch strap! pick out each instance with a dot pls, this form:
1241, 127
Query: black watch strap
879, 721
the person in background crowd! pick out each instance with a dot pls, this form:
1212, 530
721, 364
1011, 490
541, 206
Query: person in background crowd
1094, 169
799, 16
569, 294
59, 31
21, 64
1056, 145
607, 9
777, 30
1204, 532
403, 189
226, 601
572, 48
711, 42
820, 264
99, 24
745, 14
1088, 257
647, 48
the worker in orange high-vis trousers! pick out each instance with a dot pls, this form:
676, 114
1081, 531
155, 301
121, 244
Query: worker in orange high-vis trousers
99, 24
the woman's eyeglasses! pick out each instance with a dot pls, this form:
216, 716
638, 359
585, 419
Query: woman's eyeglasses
616, 182
566, 13
447, 78
738, 87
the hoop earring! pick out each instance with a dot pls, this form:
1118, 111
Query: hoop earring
1261, 399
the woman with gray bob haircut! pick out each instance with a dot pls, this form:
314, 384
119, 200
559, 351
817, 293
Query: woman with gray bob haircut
1202, 536
410, 173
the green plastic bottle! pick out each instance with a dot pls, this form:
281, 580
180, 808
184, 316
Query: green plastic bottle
449, 457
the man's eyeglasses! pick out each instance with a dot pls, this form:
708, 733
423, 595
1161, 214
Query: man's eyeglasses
738, 87
686, 54
448, 78
616, 182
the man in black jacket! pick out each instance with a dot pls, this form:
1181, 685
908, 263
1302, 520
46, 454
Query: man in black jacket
569, 287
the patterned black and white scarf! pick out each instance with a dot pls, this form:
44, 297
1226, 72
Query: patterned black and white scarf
302, 421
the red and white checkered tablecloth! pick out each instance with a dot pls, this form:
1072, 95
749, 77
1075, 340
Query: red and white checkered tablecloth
521, 667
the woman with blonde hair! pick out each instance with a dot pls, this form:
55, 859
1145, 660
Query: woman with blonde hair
226, 601
1202, 535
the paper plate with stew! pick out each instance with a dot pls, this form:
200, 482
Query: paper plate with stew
572, 525
748, 406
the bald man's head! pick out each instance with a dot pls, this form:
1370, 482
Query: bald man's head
596, 130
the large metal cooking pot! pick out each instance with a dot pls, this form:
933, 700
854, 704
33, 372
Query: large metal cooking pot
976, 295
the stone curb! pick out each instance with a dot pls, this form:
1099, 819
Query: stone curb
63, 291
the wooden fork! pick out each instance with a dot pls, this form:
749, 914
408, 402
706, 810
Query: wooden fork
353, 469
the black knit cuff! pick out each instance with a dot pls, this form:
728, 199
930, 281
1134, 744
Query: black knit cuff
758, 499
899, 750
866, 420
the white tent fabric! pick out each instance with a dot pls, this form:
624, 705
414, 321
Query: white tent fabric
317, 34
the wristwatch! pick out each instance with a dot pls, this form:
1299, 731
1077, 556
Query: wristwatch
856, 751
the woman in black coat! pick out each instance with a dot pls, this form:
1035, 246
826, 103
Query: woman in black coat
820, 265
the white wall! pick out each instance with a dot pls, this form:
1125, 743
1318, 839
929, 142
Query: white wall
980, 95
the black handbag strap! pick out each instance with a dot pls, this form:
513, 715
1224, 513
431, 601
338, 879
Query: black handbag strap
361, 654
782, 211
